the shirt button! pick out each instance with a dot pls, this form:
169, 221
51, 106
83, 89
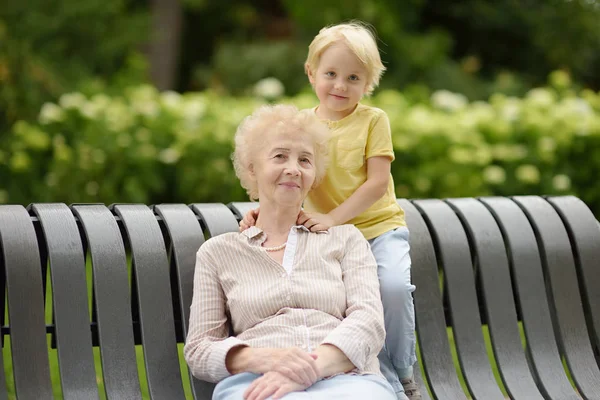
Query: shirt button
288, 298
283, 275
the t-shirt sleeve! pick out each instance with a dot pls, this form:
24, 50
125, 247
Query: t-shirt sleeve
379, 142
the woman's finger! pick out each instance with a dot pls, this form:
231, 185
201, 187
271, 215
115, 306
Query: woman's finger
267, 391
282, 391
290, 374
255, 388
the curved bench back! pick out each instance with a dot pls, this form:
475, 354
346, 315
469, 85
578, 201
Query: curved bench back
122, 276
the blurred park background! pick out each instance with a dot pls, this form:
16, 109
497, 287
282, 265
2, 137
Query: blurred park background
138, 100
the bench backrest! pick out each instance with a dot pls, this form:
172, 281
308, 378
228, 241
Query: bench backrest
496, 261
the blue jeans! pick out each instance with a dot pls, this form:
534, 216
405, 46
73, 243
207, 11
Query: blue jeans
391, 250
352, 387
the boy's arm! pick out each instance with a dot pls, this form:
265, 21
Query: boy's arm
378, 178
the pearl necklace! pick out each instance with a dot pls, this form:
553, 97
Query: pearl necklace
276, 248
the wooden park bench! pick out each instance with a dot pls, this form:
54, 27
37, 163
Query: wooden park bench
503, 263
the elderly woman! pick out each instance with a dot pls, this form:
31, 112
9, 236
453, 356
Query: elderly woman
304, 307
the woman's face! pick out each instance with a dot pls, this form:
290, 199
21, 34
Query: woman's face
284, 169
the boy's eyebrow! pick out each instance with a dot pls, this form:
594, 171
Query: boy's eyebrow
357, 72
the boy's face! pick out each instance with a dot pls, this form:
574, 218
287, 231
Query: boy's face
340, 81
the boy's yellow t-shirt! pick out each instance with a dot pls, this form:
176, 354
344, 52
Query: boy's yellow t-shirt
363, 134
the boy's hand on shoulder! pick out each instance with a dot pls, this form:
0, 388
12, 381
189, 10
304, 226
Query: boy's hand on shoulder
315, 222
249, 219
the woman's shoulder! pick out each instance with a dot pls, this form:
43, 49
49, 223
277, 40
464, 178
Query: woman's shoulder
220, 242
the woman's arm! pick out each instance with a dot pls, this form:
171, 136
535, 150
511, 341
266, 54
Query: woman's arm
361, 334
331, 361
292, 362
208, 342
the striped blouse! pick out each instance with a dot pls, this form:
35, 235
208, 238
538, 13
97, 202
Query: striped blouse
326, 292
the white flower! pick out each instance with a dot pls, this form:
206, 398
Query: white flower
72, 100
193, 109
528, 173
171, 99
446, 100
93, 108
541, 97
511, 109
577, 106
169, 156
49, 113
146, 108
561, 182
269, 88
494, 175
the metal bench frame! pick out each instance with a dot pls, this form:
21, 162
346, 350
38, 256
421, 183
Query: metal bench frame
501, 260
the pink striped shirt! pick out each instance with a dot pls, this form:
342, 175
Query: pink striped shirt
326, 292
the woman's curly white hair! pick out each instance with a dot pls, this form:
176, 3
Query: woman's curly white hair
277, 119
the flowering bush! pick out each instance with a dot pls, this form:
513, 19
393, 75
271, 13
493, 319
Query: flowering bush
150, 147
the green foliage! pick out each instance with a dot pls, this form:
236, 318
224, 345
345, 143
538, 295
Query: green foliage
150, 147
239, 66
469, 47
49, 48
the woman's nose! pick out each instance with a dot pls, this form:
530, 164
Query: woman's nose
292, 169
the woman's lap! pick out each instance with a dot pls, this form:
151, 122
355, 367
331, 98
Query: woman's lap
339, 387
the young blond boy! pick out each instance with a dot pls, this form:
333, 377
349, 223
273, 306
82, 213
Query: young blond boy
343, 65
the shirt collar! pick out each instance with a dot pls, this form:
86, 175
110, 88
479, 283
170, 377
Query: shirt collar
253, 232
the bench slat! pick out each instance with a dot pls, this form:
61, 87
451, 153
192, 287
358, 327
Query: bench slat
429, 309
113, 302
566, 300
21, 264
492, 265
186, 237
453, 248
216, 217
241, 209
584, 232
157, 324
528, 278
70, 301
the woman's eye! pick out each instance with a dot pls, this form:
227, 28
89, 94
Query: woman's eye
304, 160
279, 156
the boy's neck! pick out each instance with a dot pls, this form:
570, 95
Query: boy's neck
327, 114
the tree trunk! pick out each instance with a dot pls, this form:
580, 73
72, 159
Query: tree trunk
163, 52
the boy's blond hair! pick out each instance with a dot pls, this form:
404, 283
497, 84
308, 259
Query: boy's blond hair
359, 38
